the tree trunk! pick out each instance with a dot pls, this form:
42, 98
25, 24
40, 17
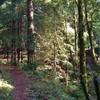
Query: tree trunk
13, 54
75, 28
7, 54
19, 39
89, 28
30, 32
96, 85
81, 48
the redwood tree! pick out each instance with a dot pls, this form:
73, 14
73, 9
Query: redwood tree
30, 31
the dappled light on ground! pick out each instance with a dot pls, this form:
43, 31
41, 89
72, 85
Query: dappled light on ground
5, 85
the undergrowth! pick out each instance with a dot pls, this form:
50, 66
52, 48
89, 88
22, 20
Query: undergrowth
5, 86
46, 88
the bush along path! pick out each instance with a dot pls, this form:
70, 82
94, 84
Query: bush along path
21, 85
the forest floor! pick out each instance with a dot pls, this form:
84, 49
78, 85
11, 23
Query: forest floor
21, 85
15, 83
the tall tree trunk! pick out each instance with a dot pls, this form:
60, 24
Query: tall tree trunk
30, 31
96, 85
13, 54
81, 48
19, 39
75, 28
89, 28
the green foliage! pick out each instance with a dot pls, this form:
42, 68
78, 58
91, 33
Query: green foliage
75, 91
55, 22
54, 90
5, 86
31, 66
5, 94
42, 74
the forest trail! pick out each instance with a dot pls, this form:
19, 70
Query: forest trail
21, 84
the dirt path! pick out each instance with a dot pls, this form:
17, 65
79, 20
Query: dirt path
21, 84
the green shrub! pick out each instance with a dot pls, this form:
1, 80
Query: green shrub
31, 66
6, 86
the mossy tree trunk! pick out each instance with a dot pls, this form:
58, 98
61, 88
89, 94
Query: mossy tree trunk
81, 48
89, 28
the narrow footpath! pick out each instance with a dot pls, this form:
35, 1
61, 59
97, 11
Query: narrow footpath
20, 82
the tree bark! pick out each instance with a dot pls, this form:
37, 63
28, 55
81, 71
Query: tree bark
30, 31
96, 85
89, 28
13, 54
81, 48
19, 39
13, 51
75, 28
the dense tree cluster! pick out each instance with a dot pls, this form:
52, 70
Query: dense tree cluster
63, 34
